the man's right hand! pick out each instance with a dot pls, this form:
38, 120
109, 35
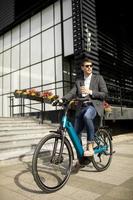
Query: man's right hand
57, 102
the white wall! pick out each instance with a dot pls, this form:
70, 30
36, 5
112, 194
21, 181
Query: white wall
31, 54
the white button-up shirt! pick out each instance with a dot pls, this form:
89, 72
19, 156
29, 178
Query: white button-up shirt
87, 81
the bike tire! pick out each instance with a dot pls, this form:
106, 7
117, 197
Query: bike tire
101, 161
50, 175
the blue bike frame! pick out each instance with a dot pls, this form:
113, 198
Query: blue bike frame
75, 139
73, 135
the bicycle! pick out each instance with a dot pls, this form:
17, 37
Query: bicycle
54, 155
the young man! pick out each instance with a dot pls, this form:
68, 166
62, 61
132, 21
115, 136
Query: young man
92, 88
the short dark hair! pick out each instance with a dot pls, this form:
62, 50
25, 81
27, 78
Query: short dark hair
86, 60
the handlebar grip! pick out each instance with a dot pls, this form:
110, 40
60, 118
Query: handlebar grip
58, 102
55, 102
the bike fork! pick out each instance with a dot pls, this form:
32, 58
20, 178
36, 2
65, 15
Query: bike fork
55, 148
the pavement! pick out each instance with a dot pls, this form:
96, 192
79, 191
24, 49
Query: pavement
115, 183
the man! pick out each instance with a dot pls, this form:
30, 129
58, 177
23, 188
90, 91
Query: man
92, 88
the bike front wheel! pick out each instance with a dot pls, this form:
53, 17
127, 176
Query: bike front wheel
103, 150
51, 169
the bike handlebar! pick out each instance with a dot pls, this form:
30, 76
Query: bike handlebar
64, 102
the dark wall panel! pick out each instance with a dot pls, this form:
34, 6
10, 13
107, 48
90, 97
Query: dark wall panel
6, 13
85, 32
115, 49
12, 12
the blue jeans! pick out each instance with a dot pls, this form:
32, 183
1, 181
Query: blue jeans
85, 119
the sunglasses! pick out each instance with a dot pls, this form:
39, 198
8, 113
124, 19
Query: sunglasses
91, 65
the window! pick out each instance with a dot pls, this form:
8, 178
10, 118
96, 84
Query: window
48, 44
36, 49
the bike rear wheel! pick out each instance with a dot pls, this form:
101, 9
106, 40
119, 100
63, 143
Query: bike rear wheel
103, 150
50, 168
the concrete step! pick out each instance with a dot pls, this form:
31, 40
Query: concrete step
22, 120
5, 122
23, 128
19, 144
25, 131
16, 119
22, 124
19, 136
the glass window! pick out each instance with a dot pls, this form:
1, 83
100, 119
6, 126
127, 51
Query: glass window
6, 108
68, 38
47, 17
16, 108
68, 74
15, 81
6, 84
35, 24
36, 75
1, 106
24, 78
7, 40
48, 44
1, 44
49, 107
0, 85
15, 36
36, 106
59, 68
6, 67
58, 49
1, 63
57, 12
66, 70
25, 30
36, 49
48, 71
59, 78
27, 102
50, 86
25, 54
67, 9
15, 58
59, 91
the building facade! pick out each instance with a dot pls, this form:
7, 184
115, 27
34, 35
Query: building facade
31, 54
43, 42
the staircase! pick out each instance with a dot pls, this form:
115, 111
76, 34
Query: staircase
18, 138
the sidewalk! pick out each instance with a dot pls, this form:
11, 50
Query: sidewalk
116, 183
